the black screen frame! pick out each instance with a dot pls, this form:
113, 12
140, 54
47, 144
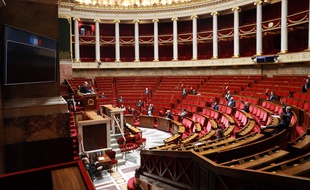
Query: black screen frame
29, 58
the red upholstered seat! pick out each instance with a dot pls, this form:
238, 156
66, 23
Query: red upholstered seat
111, 154
130, 145
121, 144
131, 184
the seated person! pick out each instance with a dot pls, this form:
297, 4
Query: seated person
184, 92
306, 86
120, 99
91, 168
123, 107
227, 95
84, 89
219, 132
150, 110
271, 96
102, 95
215, 105
283, 124
147, 91
169, 115
246, 106
183, 113
231, 102
194, 92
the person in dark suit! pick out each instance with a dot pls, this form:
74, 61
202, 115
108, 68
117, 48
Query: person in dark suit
283, 124
271, 96
140, 104
215, 105
84, 89
184, 92
91, 168
306, 86
231, 102
150, 110
120, 99
183, 114
169, 115
246, 106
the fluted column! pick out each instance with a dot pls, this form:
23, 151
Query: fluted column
155, 21
175, 39
236, 31
215, 37
284, 32
137, 56
259, 34
117, 45
97, 43
76, 40
194, 18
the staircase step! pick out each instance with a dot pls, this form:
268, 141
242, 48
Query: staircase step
119, 156
121, 162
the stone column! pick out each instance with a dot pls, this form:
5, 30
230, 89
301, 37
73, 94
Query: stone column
155, 21
117, 45
76, 40
97, 33
215, 37
175, 39
259, 34
284, 32
236, 31
194, 18
137, 56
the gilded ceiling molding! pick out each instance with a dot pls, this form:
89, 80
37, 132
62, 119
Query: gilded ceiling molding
155, 20
139, 10
236, 9
194, 16
117, 20
260, 2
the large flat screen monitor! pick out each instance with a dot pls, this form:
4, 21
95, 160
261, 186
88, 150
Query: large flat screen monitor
28, 58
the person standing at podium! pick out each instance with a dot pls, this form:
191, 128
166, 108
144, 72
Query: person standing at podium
84, 89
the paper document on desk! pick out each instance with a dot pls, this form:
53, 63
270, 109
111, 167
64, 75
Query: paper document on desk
101, 158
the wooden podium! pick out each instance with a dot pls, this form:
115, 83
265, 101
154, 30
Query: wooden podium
146, 121
163, 124
90, 102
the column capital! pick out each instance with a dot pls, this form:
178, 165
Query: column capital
236, 9
75, 18
117, 20
136, 20
155, 20
259, 2
215, 13
175, 19
194, 17
97, 20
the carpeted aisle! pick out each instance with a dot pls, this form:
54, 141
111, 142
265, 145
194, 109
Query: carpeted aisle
118, 179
